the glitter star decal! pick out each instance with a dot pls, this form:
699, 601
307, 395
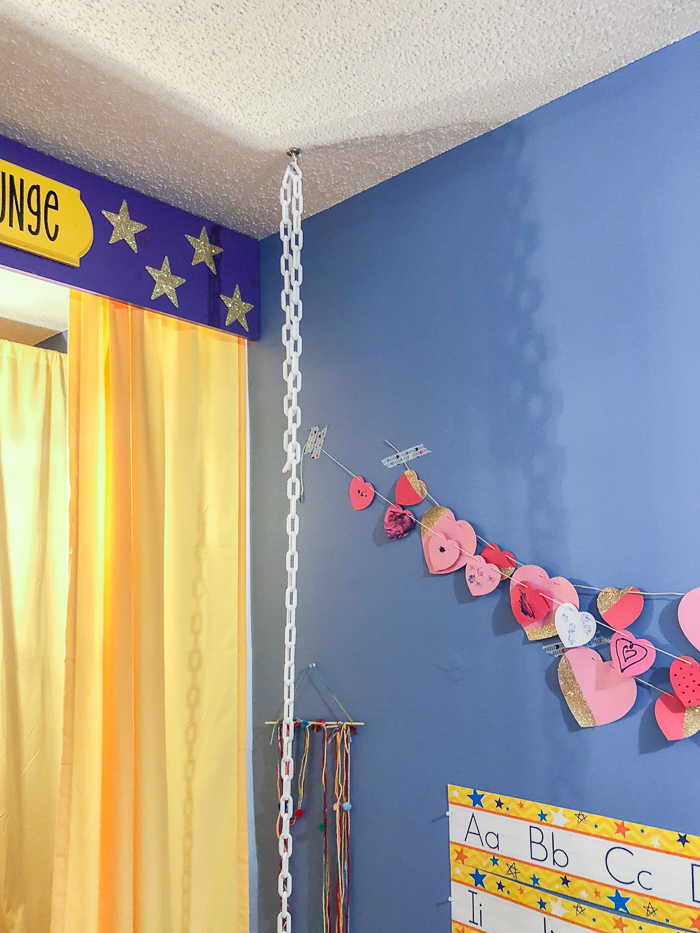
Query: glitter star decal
166, 282
124, 227
237, 309
204, 251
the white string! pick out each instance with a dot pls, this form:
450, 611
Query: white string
549, 598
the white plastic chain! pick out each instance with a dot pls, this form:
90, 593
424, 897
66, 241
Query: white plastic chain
292, 238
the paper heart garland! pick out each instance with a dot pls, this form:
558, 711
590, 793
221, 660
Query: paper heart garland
441, 521
620, 608
594, 691
556, 589
574, 628
675, 720
685, 680
398, 522
631, 656
409, 489
504, 560
482, 577
361, 493
689, 617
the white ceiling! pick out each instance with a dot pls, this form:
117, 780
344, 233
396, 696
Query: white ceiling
195, 101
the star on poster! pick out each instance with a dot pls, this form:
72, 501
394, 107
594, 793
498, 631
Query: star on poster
237, 309
166, 282
124, 228
204, 251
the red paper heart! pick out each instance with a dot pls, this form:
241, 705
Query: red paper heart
442, 551
685, 679
361, 493
529, 603
675, 721
619, 608
409, 489
504, 560
630, 655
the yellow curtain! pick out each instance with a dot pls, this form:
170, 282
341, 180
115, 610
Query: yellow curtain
33, 580
152, 821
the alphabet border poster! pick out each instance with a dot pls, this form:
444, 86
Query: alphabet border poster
523, 866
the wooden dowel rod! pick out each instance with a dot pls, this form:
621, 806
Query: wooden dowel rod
317, 722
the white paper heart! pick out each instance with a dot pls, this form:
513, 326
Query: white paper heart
573, 627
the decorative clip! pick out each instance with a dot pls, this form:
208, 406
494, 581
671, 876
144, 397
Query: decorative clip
314, 445
420, 450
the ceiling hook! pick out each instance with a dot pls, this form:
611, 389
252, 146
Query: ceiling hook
294, 153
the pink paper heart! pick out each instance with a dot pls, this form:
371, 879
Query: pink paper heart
674, 719
442, 554
482, 577
361, 493
630, 655
689, 617
557, 589
439, 520
594, 690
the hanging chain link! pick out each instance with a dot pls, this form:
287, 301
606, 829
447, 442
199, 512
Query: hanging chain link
292, 202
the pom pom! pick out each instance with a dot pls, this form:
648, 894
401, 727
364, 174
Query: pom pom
398, 522
322, 827
298, 813
347, 806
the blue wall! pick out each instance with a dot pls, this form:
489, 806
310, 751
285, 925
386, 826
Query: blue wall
528, 306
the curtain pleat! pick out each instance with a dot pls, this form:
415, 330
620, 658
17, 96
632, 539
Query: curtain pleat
33, 582
152, 816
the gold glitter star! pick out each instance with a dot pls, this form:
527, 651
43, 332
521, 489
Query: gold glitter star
204, 251
166, 282
124, 227
237, 309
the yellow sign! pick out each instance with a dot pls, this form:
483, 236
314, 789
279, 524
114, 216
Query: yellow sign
535, 868
42, 216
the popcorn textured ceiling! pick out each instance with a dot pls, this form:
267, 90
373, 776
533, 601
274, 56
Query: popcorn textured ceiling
195, 102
